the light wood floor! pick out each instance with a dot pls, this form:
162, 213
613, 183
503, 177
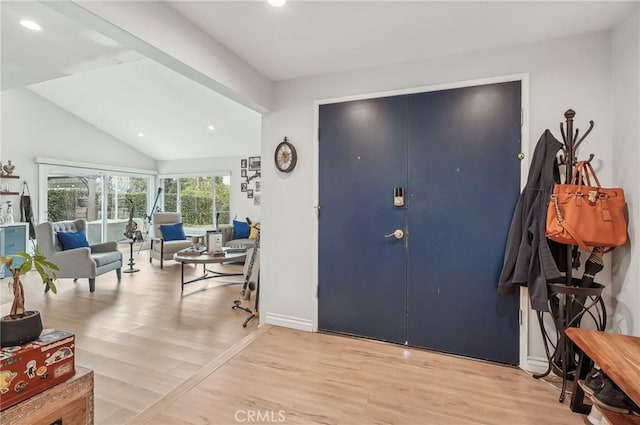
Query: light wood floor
141, 338
302, 378
160, 358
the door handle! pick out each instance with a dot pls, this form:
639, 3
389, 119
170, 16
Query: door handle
398, 234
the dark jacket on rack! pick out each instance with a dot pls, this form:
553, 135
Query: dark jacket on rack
528, 260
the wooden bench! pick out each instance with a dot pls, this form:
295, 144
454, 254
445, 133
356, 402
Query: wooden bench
619, 358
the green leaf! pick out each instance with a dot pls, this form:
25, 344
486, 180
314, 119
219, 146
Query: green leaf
50, 265
52, 286
41, 271
45, 268
26, 266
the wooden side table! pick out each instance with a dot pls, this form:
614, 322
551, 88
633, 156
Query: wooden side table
68, 403
618, 357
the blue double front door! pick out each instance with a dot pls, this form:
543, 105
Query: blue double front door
454, 155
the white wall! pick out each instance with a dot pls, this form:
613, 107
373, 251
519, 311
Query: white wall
625, 64
566, 73
241, 206
34, 127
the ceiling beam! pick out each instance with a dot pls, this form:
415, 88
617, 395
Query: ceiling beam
155, 30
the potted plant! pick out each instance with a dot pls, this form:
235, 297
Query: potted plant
20, 326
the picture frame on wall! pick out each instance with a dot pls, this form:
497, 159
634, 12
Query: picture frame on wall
243, 163
256, 199
254, 163
243, 173
243, 187
249, 193
258, 185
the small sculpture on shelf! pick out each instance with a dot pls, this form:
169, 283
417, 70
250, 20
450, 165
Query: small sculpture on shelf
8, 217
8, 168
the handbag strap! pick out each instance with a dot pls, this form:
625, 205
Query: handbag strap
576, 178
584, 173
581, 175
588, 168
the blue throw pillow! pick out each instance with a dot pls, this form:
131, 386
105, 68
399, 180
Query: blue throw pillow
241, 229
71, 240
173, 232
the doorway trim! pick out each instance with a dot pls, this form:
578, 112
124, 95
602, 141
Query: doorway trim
524, 167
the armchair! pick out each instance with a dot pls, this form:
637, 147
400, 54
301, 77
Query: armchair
161, 249
78, 262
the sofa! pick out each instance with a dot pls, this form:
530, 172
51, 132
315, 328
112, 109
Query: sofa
230, 239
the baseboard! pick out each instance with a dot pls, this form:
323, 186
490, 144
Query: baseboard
536, 364
289, 322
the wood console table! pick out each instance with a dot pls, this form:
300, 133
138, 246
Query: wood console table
68, 403
619, 358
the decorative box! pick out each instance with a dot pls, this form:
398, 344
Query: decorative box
214, 242
33, 367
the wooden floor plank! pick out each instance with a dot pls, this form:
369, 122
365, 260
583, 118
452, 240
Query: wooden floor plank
154, 354
141, 337
328, 379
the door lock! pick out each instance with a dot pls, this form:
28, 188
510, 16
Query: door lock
398, 234
398, 196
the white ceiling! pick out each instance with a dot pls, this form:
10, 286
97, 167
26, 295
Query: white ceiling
63, 48
171, 111
123, 94
305, 38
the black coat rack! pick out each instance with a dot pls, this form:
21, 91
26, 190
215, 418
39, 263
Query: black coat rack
573, 298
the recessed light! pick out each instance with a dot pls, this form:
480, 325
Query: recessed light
140, 134
276, 3
30, 25
211, 128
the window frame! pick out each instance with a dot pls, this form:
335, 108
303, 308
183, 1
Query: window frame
47, 166
213, 175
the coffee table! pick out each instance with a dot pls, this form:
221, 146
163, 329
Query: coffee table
204, 259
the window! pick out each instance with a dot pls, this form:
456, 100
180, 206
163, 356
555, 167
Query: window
203, 201
127, 196
73, 193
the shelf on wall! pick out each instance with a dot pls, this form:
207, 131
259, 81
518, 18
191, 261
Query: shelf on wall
9, 193
9, 176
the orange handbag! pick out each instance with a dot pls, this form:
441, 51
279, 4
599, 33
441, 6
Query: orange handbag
586, 215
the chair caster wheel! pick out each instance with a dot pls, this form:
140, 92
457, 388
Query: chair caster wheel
237, 302
244, 325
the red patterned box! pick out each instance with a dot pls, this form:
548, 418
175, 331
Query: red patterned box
31, 368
